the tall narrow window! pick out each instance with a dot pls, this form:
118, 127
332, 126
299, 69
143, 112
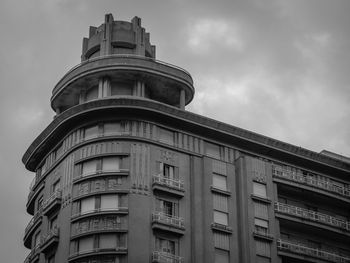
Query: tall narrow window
167, 171
53, 223
37, 239
167, 207
259, 189
55, 186
263, 248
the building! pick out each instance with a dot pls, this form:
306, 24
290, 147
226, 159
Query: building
125, 174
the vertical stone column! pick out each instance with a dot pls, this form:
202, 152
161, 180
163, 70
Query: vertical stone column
106, 47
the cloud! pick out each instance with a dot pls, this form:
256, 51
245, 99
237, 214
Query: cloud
208, 35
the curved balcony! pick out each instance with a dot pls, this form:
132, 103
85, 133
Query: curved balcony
133, 65
168, 185
100, 173
312, 216
299, 250
100, 228
34, 254
52, 203
312, 184
50, 240
33, 193
32, 225
98, 252
100, 211
162, 257
166, 222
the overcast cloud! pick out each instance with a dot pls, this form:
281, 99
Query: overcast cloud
275, 67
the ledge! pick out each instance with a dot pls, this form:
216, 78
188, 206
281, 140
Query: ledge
208, 128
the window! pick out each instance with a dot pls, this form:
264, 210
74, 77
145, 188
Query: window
111, 128
109, 202
91, 132
259, 189
212, 150
220, 182
220, 218
87, 205
86, 244
121, 88
167, 207
168, 171
263, 248
91, 93
108, 241
222, 256
261, 226
110, 164
166, 136
261, 210
89, 167
165, 246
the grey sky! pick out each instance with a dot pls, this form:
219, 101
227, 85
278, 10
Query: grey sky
276, 67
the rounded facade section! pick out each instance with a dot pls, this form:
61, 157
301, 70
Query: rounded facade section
123, 75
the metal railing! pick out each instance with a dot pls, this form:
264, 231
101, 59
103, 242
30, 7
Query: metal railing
163, 257
302, 249
312, 215
98, 210
160, 217
56, 195
281, 172
171, 183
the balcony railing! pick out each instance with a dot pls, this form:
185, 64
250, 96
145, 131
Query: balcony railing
100, 172
32, 253
281, 172
312, 216
56, 196
163, 257
116, 250
174, 221
101, 210
91, 228
302, 249
168, 182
